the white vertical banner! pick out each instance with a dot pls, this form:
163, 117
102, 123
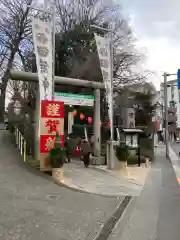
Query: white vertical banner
42, 38
70, 122
104, 53
118, 134
85, 133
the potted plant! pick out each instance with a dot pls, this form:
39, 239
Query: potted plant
122, 153
56, 159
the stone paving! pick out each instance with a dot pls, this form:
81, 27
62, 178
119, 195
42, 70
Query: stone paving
32, 207
99, 181
132, 173
155, 215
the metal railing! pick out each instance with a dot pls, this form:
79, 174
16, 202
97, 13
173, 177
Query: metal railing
21, 144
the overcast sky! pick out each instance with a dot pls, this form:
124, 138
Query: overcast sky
157, 26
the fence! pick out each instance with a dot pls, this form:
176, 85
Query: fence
21, 143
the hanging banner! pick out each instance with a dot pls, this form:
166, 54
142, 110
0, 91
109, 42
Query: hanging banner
42, 38
104, 53
51, 122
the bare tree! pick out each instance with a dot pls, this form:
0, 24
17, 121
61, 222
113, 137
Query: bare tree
15, 32
76, 48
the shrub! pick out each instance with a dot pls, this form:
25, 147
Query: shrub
122, 152
56, 155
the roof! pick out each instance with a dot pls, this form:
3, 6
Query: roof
142, 87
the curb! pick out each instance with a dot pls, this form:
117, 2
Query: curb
174, 165
111, 224
106, 171
86, 192
110, 173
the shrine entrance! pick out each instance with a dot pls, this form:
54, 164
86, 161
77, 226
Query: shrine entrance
78, 112
77, 100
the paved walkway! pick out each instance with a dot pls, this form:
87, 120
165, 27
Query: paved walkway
155, 215
32, 207
103, 182
174, 153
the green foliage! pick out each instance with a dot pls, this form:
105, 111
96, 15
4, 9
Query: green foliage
122, 152
57, 154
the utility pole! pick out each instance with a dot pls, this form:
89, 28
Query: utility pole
166, 114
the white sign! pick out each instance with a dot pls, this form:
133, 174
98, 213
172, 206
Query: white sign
42, 38
104, 52
74, 99
17, 107
132, 140
130, 118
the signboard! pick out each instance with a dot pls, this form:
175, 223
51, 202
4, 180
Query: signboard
51, 122
132, 140
74, 99
17, 107
130, 118
42, 38
104, 52
178, 78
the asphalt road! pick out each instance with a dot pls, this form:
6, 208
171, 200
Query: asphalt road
34, 208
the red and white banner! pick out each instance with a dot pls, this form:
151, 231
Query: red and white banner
51, 122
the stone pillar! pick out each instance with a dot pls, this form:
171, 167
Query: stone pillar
96, 124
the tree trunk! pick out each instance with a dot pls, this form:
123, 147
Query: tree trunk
5, 79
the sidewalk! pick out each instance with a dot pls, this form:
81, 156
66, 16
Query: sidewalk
175, 163
100, 181
155, 215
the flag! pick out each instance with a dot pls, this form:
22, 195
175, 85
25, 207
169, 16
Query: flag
42, 38
104, 53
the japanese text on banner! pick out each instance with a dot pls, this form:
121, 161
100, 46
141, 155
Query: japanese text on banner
103, 48
42, 38
52, 109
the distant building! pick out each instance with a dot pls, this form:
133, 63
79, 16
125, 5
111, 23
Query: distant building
126, 104
173, 101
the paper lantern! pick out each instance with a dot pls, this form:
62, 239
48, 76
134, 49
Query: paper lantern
100, 123
82, 116
89, 120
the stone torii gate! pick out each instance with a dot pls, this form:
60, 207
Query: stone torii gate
97, 86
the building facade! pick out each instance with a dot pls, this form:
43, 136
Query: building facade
173, 102
126, 103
